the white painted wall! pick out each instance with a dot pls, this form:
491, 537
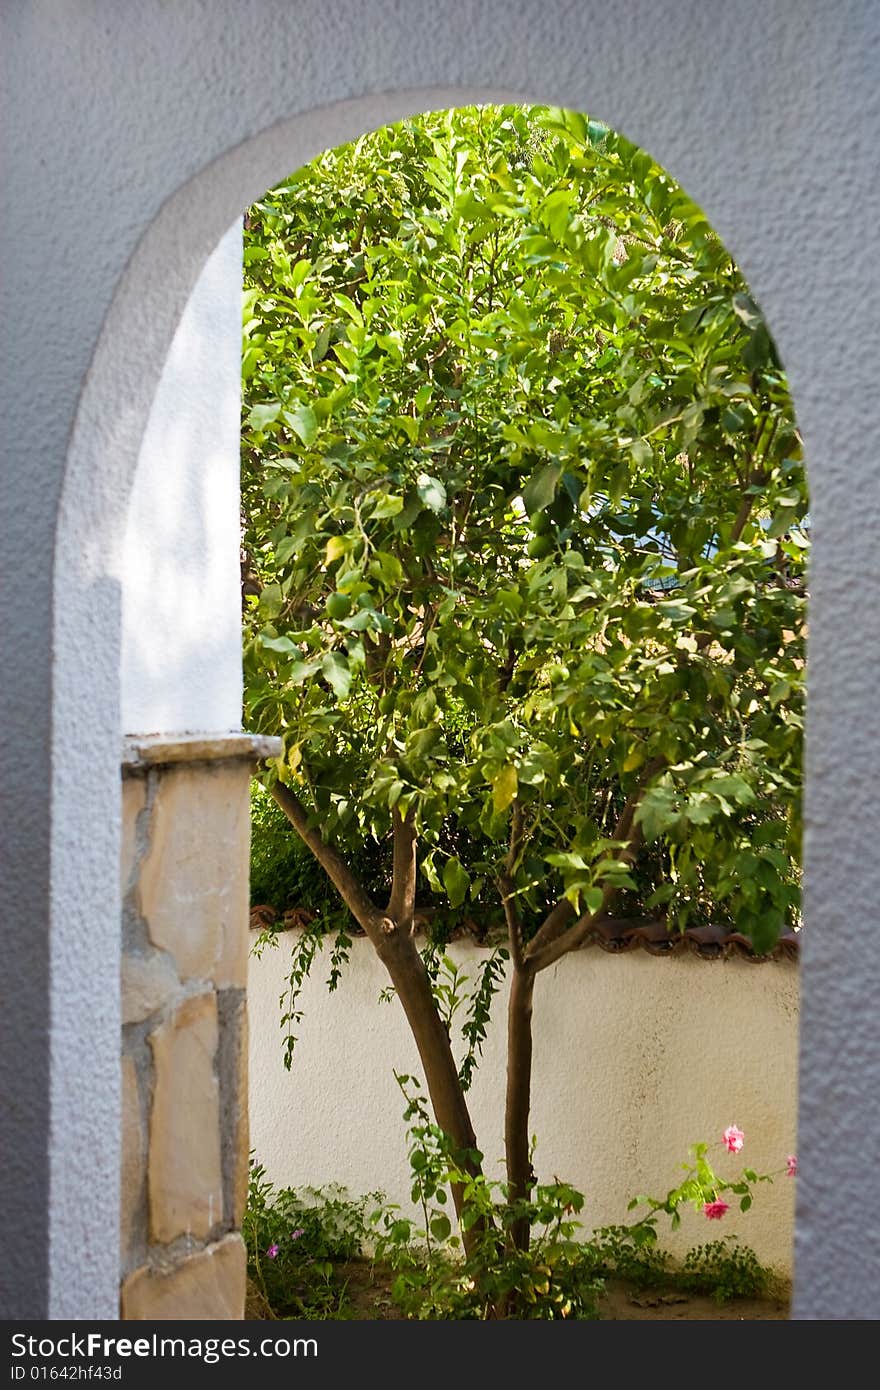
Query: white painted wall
179, 568
635, 1059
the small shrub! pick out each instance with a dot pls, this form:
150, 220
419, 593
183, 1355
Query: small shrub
628, 1252
473, 1266
724, 1270
298, 1241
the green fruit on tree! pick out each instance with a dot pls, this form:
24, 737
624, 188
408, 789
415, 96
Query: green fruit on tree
338, 605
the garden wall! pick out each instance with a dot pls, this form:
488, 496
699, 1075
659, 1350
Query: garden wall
635, 1058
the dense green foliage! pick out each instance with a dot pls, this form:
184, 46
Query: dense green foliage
283, 873
523, 497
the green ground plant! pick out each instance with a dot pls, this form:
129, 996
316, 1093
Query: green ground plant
303, 1244
299, 1241
725, 1270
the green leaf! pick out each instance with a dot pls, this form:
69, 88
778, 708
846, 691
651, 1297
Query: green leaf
278, 644
764, 930
285, 548
303, 422
431, 491
386, 505
676, 611
348, 307
319, 351
642, 453
456, 881
504, 787
301, 671
259, 416
386, 567
270, 600
335, 670
746, 309
657, 812
563, 859
337, 546
441, 1227
592, 899
540, 490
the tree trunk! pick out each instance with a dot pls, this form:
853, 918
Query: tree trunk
410, 978
520, 1177
399, 955
392, 937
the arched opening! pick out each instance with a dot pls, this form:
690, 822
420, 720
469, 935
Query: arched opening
537, 403
541, 435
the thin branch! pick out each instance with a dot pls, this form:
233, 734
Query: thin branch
553, 924
756, 478
513, 920
516, 836
401, 904
506, 672
506, 885
349, 889
553, 939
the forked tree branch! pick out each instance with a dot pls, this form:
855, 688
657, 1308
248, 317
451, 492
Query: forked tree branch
553, 925
361, 906
553, 939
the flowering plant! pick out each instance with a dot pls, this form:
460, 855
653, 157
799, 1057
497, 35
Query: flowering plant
703, 1187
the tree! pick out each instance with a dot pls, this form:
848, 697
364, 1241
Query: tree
524, 535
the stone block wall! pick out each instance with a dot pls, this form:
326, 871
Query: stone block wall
186, 840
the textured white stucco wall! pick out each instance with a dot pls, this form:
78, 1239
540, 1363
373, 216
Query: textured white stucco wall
133, 136
635, 1060
179, 567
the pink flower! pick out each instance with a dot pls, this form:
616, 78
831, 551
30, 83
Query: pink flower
273, 1251
791, 1166
733, 1139
295, 1235
714, 1211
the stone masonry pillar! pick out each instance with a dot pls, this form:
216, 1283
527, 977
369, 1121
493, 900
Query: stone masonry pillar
185, 854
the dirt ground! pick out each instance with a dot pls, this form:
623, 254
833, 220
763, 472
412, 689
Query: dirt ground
368, 1294
623, 1304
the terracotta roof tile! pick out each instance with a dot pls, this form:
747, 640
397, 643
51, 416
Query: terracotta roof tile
614, 935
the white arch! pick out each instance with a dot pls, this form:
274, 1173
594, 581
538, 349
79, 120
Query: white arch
767, 115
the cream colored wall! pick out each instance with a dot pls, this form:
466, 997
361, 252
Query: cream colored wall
635, 1058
